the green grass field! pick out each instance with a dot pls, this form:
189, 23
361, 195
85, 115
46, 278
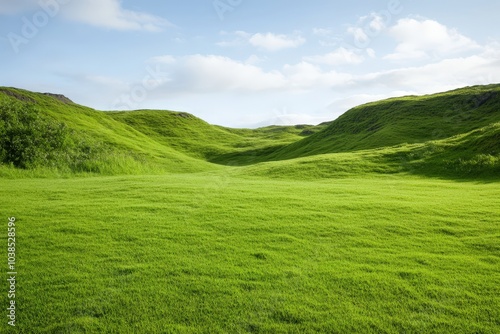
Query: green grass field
168, 224
216, 253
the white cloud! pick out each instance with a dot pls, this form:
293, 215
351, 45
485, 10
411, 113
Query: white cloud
340, 56
306, 76
238, 38
200, 74
99, 13
358, 34
376, 22
368, 27
208, 74
110, 14
443, 75
254, 60
268, 41
275, 42
327, 37
421, 39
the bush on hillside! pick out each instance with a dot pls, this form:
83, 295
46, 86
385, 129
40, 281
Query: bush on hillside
29, 139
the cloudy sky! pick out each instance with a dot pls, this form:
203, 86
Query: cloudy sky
247, 63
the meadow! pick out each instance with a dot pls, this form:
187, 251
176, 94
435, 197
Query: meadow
167, 224
215, 253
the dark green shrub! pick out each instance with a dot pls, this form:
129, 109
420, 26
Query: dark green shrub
29, 139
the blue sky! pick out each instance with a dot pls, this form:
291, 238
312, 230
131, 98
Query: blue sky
247, 63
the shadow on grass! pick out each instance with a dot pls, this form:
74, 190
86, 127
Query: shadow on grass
392, 163
247, 158
446, 169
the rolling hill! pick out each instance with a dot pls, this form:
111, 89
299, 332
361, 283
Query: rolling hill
452, 133
473, 155
129, 142
411, 119
195, 137
97, 142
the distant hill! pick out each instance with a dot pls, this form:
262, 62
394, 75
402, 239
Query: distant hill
472, 155
451, 134
120, 142
411, 119
195, 137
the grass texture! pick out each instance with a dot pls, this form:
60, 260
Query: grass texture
385, 220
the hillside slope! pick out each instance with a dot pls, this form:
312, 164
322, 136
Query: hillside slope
194, 137
122, 142
98, 143
412, 119
473, 155
452, 134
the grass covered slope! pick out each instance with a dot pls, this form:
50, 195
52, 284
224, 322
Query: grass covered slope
473, 155
195, 137
412, 119
102, 144
451, 134
135, 142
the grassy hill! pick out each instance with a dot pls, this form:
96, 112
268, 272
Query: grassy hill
473, 155
92, 141
194, 137
411, 119
450, 134
144, 141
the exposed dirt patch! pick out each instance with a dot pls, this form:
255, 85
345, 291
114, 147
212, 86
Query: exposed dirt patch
16, 95
184, 115
59, 97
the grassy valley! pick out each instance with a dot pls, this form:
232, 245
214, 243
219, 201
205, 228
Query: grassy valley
385, 220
